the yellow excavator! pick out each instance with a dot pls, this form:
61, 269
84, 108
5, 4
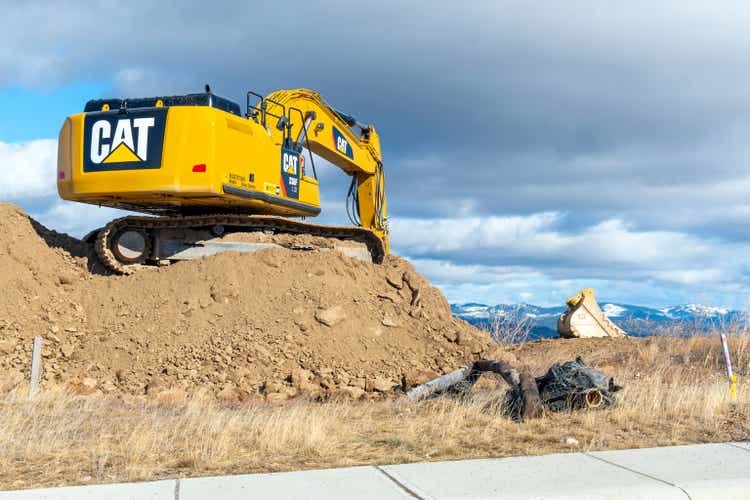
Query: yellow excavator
207, 171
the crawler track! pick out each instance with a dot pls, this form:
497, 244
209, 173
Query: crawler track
232, 222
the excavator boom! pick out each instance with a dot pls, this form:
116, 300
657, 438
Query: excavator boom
331, 135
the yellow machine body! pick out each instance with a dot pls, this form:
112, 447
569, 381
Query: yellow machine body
205, 151
183, 159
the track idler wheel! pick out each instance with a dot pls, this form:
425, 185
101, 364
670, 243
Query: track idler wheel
131, 246
119, 248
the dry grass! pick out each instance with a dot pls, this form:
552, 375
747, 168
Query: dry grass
674, 394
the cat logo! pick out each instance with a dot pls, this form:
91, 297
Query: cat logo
120, 141
289, 163
341, 144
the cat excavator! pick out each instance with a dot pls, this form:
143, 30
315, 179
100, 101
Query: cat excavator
201, 170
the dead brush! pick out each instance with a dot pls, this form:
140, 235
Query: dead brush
512, 327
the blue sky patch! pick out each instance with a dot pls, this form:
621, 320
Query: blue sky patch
29, 114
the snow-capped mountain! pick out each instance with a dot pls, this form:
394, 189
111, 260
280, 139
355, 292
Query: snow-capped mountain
636, 320
693, 311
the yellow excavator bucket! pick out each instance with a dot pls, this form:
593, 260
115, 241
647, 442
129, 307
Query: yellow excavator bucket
584, 318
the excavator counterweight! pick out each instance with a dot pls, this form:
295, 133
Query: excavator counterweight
206, 171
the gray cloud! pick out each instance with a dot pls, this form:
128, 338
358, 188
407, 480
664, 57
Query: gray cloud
635, 112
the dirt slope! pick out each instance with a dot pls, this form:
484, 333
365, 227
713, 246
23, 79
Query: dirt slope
272, 324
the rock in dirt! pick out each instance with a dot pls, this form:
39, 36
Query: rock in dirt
381, 385
7, 346
67, 350
9, 381
331, 316
173, 395
352, 392
83, 385
389, 322
571, 441
229, 394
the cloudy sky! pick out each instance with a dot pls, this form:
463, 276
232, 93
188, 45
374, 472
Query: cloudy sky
531, 148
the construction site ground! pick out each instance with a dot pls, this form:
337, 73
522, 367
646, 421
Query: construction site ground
284, 360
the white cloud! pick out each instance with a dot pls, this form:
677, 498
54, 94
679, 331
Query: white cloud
76, 219
520, 255
29, 169
447, 272
497, 285
31, 183
545, 236
450, 234
694, 276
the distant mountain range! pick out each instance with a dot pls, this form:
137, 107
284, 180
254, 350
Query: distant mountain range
541, 322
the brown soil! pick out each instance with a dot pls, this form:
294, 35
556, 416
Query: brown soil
273, 324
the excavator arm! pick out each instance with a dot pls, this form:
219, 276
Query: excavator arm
302, 119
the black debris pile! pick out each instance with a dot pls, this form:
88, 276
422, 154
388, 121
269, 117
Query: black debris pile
565, 387
568, 386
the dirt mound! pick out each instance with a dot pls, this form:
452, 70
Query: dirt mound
292, 241
272, 324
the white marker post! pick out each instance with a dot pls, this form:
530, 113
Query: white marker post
36, 365
730, 373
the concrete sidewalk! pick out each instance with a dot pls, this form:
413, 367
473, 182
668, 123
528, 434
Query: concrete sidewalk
693, 472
